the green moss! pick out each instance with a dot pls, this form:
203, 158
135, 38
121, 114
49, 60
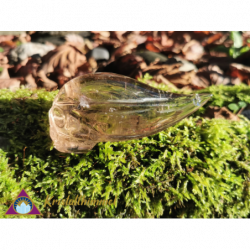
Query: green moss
197, 169
9, 187
224, 95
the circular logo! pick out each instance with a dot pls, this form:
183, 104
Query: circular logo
23, 205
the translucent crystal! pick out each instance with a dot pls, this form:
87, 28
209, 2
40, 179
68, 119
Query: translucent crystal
110, 107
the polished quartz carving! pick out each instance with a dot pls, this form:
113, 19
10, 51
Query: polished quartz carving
110, 107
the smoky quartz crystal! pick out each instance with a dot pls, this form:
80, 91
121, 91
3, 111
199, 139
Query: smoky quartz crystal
104, 107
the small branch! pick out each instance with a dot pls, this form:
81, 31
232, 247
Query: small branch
24, 155
240, 111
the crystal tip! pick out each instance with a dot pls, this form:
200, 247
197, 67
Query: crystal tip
201, 99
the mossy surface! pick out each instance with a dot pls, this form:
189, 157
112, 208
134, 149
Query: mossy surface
198, 168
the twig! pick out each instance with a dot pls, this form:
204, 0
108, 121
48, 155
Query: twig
240, 111
24, 155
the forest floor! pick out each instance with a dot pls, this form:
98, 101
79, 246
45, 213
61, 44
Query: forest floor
183, 61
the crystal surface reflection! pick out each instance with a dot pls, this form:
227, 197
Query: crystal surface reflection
110, 107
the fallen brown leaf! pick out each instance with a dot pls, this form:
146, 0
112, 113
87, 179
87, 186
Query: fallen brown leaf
153, 46
9, 43
102, 34
11, 84
240, 71
211, 68
107, 42
200, 82
128, 65
64, 60
162, 79
213, 75
214, 38
118, 35
136, 37
193, 50
75, 40
220, 113
4, 38
203, 32
123, 50
171, 72
217, 39
24, 38
28, 72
